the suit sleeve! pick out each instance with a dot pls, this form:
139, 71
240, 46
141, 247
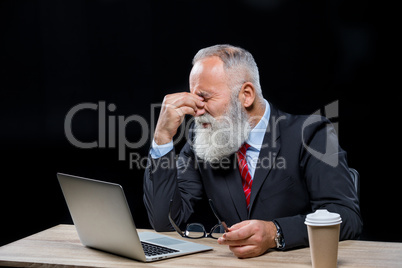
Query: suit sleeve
167, 178
329, 183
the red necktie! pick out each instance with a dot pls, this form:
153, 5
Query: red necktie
244, 172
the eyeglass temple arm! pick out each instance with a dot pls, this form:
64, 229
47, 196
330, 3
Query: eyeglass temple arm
172, 221
211, 204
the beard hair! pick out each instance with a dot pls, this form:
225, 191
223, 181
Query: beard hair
224, 135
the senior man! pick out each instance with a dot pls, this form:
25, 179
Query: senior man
264, 169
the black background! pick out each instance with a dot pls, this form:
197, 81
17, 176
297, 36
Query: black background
55, 55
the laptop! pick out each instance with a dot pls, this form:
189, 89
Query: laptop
103, 220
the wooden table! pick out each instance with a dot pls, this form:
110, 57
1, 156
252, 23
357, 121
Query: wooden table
60, 247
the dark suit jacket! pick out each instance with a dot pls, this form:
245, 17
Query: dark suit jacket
301, 168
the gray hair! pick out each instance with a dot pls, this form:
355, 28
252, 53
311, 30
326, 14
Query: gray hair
238, 63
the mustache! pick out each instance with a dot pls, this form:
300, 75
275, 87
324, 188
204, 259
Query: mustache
205, 118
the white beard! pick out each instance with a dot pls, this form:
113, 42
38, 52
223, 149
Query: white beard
225, 134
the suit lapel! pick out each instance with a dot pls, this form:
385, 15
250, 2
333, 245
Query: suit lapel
234, 184
266, 160
225, 186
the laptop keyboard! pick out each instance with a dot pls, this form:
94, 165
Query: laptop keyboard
153, 250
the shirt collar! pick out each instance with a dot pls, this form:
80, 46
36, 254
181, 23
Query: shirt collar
256, 136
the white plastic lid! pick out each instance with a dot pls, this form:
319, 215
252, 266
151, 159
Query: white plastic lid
322, 217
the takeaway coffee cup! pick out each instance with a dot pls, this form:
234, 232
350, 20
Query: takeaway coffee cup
323, 235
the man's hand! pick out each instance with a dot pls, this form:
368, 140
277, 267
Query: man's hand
174, 108
250, 238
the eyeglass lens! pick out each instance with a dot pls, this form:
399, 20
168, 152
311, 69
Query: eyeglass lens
197, 230
217, 231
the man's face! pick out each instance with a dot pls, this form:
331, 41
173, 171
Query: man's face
224, 127
208, 80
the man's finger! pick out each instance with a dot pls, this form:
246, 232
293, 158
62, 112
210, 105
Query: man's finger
244, 251
186, 110
185, 99
238, 225
242, 232
200, 111
242, 242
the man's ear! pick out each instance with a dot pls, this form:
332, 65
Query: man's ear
247, 95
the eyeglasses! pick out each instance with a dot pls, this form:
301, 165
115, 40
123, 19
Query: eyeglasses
197, 230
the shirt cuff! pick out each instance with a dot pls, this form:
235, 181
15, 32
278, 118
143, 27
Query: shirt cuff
158, 151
